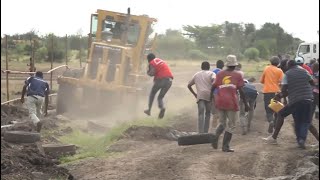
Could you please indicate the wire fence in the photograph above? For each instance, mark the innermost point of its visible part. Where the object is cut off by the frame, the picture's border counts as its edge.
(16, 71)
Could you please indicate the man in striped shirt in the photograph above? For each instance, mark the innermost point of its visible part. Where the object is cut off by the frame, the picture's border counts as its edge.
(297, 85)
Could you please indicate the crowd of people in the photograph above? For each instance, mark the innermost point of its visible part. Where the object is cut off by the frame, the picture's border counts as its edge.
(225, 94)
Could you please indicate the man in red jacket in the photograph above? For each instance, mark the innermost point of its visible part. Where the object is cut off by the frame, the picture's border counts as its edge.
(162, 81)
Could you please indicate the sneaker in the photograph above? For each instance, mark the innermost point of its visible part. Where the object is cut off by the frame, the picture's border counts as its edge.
(161, 114)
(147, 112)
(270, 129)
(270, 140)
(315, 145)
(301, 144)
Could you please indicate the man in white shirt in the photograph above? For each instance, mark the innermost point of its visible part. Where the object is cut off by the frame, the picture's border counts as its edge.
(203, 81)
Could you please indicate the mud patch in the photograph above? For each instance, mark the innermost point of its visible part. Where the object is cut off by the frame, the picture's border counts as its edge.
(145, 133)
(22, 161)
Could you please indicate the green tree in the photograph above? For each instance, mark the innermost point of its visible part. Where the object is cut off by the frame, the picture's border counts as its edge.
(55, 46)
(173, 45)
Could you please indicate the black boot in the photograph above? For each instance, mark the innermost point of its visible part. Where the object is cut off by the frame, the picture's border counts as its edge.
(215, 139)
(226, 141)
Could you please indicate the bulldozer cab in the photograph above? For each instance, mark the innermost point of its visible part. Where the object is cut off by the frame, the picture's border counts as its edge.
(120, 40)
(118, 43)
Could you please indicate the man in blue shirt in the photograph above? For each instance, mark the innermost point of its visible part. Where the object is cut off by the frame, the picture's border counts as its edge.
(215, 118)
(37, 93)
(220, 65)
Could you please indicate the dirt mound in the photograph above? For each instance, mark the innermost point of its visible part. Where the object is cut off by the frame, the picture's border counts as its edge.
(24, 161)
(145, 133)
(12, 113)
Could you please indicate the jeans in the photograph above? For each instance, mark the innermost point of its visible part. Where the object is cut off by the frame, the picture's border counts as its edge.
(204, 112)
(269, 112)
(34, 105)
(302, 115)
(227, 118)
(159, 84)
(245, 121)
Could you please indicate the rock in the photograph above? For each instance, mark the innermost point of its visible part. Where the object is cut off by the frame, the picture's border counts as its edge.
(62, 118)
(94, 127)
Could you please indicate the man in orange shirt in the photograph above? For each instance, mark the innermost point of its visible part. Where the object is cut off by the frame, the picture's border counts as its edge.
(271, 79)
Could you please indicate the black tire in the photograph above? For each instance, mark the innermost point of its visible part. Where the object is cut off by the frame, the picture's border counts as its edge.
(204, 138)
(58, 150)
(21, 137)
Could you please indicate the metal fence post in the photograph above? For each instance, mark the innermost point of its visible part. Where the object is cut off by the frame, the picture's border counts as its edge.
(7, 67)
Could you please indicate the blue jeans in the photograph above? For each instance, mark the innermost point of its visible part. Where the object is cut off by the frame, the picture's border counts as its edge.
(204, 112)
(302, 118)
(302, 115)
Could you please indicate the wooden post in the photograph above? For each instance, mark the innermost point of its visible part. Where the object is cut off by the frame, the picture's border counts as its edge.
(66, 49)
(33, 55)
(80, 51)
(7, 67)
(52, 51)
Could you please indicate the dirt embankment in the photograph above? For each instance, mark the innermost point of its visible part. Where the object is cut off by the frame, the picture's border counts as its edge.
(28, 161)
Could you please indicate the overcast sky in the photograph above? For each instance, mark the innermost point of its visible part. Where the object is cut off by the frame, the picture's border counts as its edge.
(298, 17)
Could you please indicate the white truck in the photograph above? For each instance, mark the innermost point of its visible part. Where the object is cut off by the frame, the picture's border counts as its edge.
(308, 50)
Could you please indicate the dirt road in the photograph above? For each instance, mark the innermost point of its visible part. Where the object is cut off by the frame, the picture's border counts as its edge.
(159, 159)
(163, 159)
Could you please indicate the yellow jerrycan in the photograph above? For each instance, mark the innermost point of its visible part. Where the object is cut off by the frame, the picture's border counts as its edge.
(276, 106)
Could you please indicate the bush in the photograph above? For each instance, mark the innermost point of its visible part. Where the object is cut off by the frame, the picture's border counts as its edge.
(41, 54)
(252, 53)
(58, 55)
(197, 54)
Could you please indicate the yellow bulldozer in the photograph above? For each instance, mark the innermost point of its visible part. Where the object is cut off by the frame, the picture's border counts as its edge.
(114, 70)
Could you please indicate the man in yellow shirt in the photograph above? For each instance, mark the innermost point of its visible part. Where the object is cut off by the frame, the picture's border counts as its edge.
(271, 79)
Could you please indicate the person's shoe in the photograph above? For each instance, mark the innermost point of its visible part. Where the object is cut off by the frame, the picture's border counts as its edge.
(301, 144)
(315, 145)
(270, 140)
(39, 126)
(147, 112)
(215, 139)
(161, 114)
(226, 141)
(270, 129)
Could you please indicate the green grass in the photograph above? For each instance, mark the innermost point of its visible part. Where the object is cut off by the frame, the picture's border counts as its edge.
(93, 145)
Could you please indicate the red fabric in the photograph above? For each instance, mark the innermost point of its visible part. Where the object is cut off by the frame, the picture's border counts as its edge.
(228, 82)
(306, 67)
(162, 69)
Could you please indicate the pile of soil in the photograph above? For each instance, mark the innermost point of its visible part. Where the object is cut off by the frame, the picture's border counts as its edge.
(12, 113)
(145, 133)
(24, 161)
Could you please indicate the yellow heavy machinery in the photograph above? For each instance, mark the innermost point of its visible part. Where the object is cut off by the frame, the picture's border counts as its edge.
(118, 44)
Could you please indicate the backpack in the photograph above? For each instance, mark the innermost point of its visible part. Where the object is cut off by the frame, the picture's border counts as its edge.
(250, 91)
